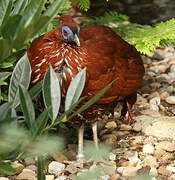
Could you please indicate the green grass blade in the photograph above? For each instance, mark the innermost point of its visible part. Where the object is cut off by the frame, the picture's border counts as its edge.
(40, 168)
(35, 90)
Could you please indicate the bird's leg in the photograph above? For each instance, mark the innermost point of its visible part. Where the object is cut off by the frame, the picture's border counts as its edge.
(80, 155)
(95, 137)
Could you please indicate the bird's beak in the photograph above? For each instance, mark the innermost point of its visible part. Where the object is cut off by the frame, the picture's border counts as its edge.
(76, 40)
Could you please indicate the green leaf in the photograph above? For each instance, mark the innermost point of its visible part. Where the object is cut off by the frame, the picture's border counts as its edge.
(19, 7)
(40, 168)
(5, 49)
(27, 108)
(9, 29)
(91, 101)
(51, 92)
(75, 89)
(3, 77)
(5, 110)
(41, 122)
(30, 14)
(54, 8)
(6, 65)
(35, 90)
(5, 8)
(21, 75)
(6, 169)
(83, 4)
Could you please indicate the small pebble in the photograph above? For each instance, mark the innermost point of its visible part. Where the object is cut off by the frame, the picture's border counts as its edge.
(111, 124)
(18, 167)
(112, 156)
(72, 168)
(171, 168)
(148, 149)
(172, 68)
(164, 95)
(137, 127)
(170, 100)
(166, 145)
(27, 174)
(50, 177)
(56, 168)
(61, 178)
(172, 177)
(153, 172)
(29, 161)
(125, 127)
(129, 171)
(162, 170)
(150, 161)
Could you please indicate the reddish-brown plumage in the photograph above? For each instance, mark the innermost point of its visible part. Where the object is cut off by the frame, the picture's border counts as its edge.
(104, 54)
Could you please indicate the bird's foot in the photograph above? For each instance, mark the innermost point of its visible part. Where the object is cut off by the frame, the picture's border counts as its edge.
(80, 158)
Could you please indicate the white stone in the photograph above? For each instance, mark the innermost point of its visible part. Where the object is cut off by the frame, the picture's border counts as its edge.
(148, 148)
(111, 124)
(170, 100)
(172, 68)
(112, 156)
(153, 172)
(4, 178)
(172, 177)
(157, 125)
(49, 177)
(120, 169)
(61, 178)
(27, 174)
(56, 168)
(129, 171)
(171, 168)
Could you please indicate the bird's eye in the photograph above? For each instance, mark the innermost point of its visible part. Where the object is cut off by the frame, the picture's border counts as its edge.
(65, 32)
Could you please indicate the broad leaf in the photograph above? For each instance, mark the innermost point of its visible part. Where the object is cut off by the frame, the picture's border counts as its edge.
(3, 77)
(27, 108)
(6, 169)
(29, 15)
(5, 110)
(54, 8)
(19, 7)
(9, 29)
(91, 101)
(52, 92)
(5, 49)
(5, 8)
(75, 89)
(21, 75)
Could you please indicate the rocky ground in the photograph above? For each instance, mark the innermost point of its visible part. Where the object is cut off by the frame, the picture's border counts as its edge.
(144, 147)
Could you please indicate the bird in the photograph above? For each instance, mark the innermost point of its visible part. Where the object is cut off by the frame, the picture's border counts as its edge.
(106, 56)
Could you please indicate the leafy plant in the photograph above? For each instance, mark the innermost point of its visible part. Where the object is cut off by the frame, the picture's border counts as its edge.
(20, 22)
(144, 38)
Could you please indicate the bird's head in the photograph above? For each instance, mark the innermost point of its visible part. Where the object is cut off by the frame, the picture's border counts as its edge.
(70, 30)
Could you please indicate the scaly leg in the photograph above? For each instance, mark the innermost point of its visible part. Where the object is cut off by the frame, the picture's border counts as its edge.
(95, 136)
(80, 155)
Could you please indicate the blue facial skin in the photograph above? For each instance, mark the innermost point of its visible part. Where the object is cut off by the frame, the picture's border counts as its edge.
(67, 33)
(70, 36)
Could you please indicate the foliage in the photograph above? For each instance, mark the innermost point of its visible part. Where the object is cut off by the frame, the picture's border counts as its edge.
(144, 38)
(18, 142)
(20, 22)
(83, 4)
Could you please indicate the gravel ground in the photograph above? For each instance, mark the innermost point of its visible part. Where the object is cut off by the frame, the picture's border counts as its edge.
(145, 147)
